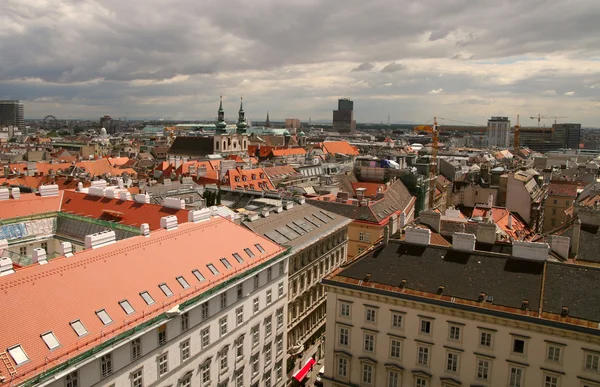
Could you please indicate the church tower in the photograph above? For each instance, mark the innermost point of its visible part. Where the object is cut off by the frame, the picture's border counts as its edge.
(221, 124)
(241, 124)
(267, 122)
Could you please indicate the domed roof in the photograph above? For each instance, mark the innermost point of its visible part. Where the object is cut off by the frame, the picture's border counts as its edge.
(302, 134)
(286, 133)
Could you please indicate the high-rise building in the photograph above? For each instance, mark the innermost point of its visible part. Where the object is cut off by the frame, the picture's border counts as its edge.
(12, 114)
(343, 118)
(569, 134)
(498, 132)
(292, 123)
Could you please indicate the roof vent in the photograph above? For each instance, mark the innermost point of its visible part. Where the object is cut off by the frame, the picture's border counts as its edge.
(4, 194)
(403, 283)
(199, 215)
(279, 209)
(124, 196)
(145, 229)
(39, 256)
(168, 222)
(564, 311)
(111, 193)
(419, 236)
(368, 277)
(176, 203)
(463, 242)
(16, 194)
(530, 250)
(66, 249)
(264, 212)
(79, 187)
(6, 266)
(481, 297)
(288, 205)
(100, 239)
(99, 184)
(525, 304)
(48, 190)
(441, 289)
(96, 191)
(142, 198)
(301, 200)
(252, 216)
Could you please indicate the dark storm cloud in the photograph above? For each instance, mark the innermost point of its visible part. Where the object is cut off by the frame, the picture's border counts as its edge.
(363, 67)
(393, 67)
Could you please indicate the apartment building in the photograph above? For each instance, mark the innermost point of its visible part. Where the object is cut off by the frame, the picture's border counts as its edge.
(318, 242)
(410, 313)
(169, 307)
(558, 206)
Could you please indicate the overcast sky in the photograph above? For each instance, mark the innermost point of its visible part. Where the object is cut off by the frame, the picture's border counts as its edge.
(459, 59)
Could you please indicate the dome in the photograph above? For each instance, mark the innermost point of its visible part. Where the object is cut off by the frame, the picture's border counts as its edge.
(286, 133)
(302, 134)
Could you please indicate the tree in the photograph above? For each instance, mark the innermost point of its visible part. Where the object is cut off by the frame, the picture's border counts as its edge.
(218, 201)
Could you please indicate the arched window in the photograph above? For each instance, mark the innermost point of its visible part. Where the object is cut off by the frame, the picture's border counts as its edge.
(217, 145)
(224, 145)
(245, 146)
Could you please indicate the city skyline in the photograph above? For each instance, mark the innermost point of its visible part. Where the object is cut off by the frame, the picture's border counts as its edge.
(466, 61)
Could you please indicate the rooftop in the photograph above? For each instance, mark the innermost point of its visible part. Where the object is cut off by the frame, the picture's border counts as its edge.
(563, 188)
(29, 204)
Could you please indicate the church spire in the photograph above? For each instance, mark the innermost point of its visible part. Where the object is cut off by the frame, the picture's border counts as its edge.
(241, 124)
(221, 124)
(267, 122)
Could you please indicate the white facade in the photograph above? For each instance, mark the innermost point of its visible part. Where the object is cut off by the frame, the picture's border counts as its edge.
(498, 132)
(233, 337)
(230, 143)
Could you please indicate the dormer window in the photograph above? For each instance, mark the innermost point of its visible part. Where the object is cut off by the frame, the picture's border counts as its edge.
(18, 355)
(50, 340)
(78, 327)
(104, 317)
(184, 284)
(166, 290)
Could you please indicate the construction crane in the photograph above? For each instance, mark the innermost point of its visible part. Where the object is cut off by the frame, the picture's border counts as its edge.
(517, 140)
(433, 162)
(541, 117)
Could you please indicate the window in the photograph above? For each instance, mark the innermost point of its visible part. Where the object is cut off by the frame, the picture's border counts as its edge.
(370, 315)
(551, 381)
(279, 317)
(395, 349)
(485, 339)
(212, 269)
(452, 361)
(104, 317)
(255, 335)
(423, 355)
(367, 373)
(127, 308)
(205, 337)
(554, 211)
(163, 364)
(369, 342)
(267, 377)
(185, 350)
(454, 333)
(281, 268)
(553, 353)
(237, 257)
(425, 326)
(567, 203)
(18, 355)
(344, 335)
(397, 320)
(515, 377)
(147, 298)
(254, 362)
(279, 370)
(223, 300)
(239, 379)
(420, 382)
(50, 340)
(364, 236)
(185, 322)
(184, 284)
(223, 326)
(239, 315)
(162, 334)
(483, 369)
(78, 327)
(592, 362)
(186, 381)
(205, 372)
(223, 360)
(226, 263)
(280, 289)
(198, 275)
(269, 274)
(345, 309)
(269, 297)
(137, 378)
(106, 365)
(256, 282)
(518, 346)
(555, 201)
(136, 349)
(268, 354)
(279, 344)
(342, 367)
(393, 379)
(249, 252)
(268, 327)
(23, 250)
(240, 291)
(166, 290)
(45, 244)
(72, 379)
(255, 305)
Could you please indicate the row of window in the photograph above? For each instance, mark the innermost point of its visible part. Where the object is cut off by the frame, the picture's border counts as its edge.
(309, 255)
(314, 274)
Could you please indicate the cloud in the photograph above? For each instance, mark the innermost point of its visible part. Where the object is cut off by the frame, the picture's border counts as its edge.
(436, 91)
(366, 66)
(393, 67)
(549, 92)
(570, 93)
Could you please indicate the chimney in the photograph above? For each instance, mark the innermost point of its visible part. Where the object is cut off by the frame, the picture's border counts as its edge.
(39, 256)
(16, 194)
(432, 219)
(525, 304)
(142, 198)
(386, 235)
(288, 205)
(168, 222)
(530, 250)
(509, 225)
(176, 203)
(419, 236)
(66, 249)
(96, 191)
(463, 242)
(252, 216)
(301, 200)
(560, 245)
(6, 266)
(486, 232)
(124, 196)
(48, 190)
(199, 215)
(360, 193)
(100, 239)
(145, 229)
(79, 187)
(264, 212)
(575, 238)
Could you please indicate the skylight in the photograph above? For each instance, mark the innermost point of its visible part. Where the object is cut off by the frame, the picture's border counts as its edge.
(126, 306)
(303, 225)
(18, 355)
(198, 275)
(147, 297)
(321, 218)
(212, 269)
(79, 328)
(50, 340)
(104, 317)
(276, 237)
(249, 252)
(327, 214)
(166, 290)
(237, 257)
(259, 247)
(184, 284)
(311, 221)
(226, 263)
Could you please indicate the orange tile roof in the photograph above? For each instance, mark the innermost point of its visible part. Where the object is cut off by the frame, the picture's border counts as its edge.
(340, 147)
(281, 170)
(68, 289)
(95, 167)
(132, 213)
(117, 161)
(371, 187)
(29, 204)
(254, 178)
(288, 152)
(120, 171)
(500, 215)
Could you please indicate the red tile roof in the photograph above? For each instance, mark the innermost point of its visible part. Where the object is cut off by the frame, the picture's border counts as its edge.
(132, 213)
(339, 147)
(500, 216)
(117, 161)
(371, 187)
(563, 188)
(282, 170)
(29, 204)
(68, 289)
(288, 152)
(95, 167)
(254, 179)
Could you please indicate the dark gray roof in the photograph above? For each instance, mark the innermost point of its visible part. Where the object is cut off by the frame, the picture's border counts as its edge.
(294, 223)
(589, 243)
(192, 146)
(463, 275)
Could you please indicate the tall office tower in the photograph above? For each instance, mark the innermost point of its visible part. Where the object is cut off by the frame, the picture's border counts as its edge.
(343, 118)
(498, 132)
(569, 134)
(12, 114)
